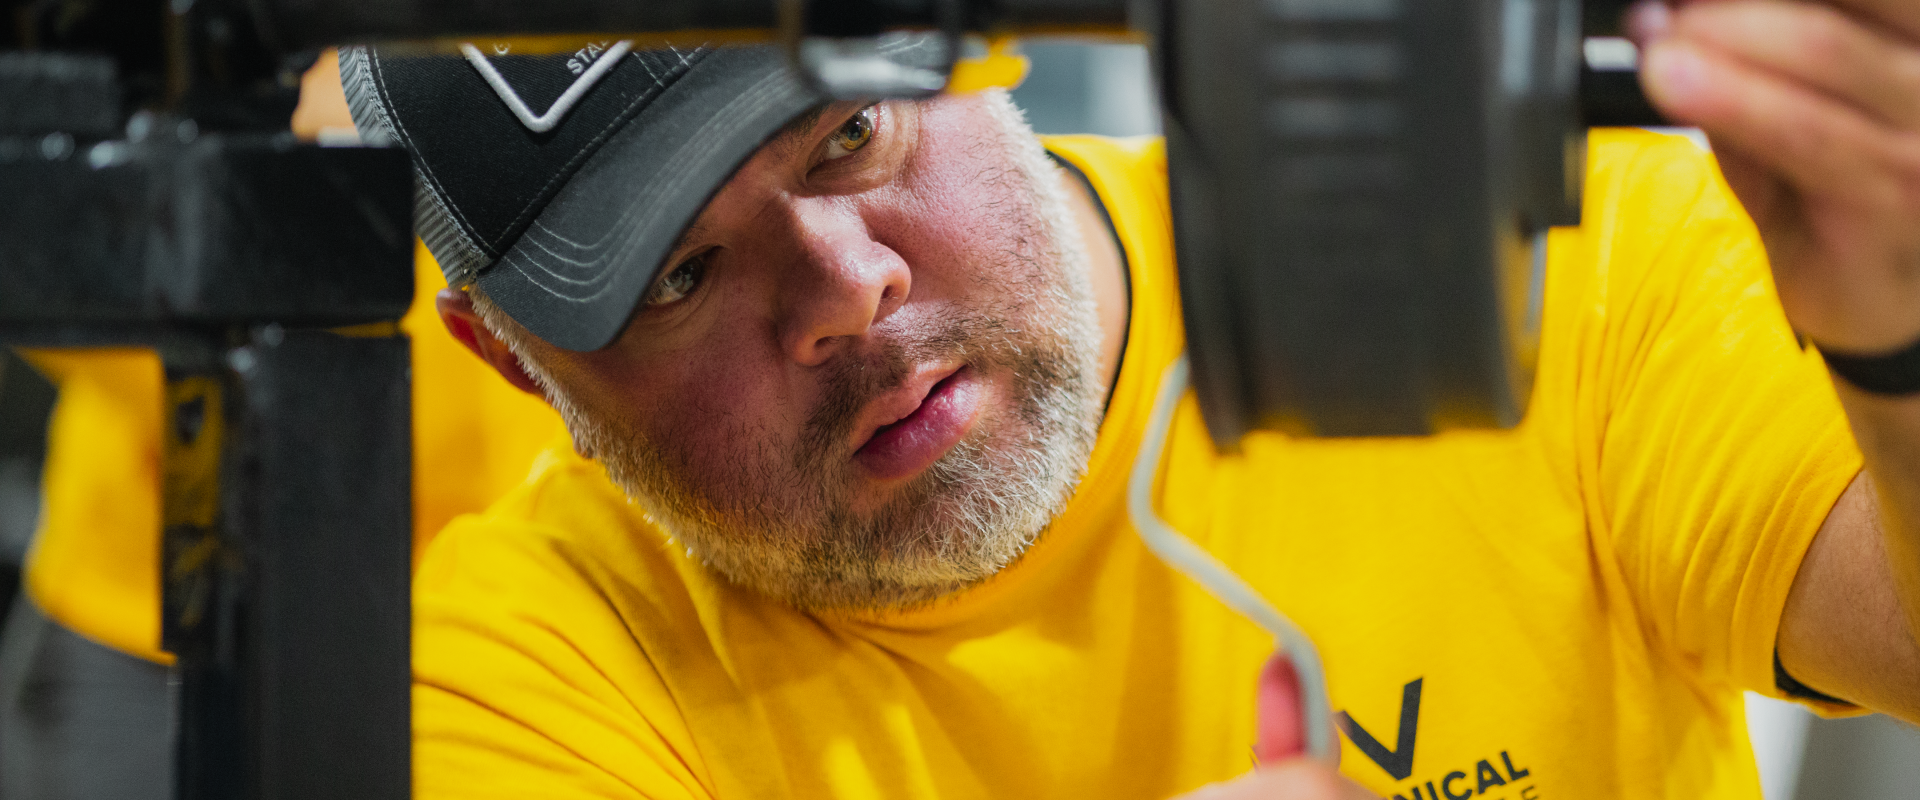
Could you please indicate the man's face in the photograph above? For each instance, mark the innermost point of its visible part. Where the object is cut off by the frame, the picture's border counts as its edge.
(869, 373)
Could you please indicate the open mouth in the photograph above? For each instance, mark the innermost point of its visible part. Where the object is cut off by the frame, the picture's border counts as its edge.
(912, 443)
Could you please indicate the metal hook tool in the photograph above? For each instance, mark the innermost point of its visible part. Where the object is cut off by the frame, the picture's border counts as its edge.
(1183, 555)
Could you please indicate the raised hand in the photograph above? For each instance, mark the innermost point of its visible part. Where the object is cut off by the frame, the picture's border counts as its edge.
(1814, 113)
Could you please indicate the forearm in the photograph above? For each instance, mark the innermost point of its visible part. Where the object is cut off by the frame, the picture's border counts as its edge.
(1848, 629)
(1888, 431)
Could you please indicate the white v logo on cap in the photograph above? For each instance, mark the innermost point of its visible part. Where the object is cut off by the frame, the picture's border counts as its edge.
(560, 107)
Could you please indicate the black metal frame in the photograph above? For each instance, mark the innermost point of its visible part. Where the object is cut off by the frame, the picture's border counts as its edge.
(270, 277)
(286, 560)
(287, 461)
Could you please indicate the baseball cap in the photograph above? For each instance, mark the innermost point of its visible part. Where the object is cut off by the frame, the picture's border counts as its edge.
(558, 182)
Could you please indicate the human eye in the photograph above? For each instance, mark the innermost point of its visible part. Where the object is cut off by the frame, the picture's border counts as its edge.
(853, 135)
(677, 283)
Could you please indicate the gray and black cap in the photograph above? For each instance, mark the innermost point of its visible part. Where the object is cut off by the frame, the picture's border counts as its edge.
(559, 182)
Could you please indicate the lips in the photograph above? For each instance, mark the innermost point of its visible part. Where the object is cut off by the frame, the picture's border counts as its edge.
(926, 423)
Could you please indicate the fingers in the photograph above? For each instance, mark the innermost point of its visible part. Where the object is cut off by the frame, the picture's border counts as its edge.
(1648, 20)
(1902, 16)
(1814, 44)
(1280, 731)
(1814, 111)
(1819, 144)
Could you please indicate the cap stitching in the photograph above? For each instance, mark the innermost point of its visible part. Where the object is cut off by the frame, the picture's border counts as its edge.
(439, 233)
(650, 73)
(591, 146)
(451, 247)
(747, 101)
(707, 146)
(420, 164)
(750, 101)
(363, 100)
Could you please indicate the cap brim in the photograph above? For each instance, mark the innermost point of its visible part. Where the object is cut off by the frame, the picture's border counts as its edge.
(574, 276)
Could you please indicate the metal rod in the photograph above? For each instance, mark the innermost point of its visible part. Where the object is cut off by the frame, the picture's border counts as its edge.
(1188, 559)
(307, 24)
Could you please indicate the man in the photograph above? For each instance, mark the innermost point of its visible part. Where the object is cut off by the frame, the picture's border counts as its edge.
(852, 410)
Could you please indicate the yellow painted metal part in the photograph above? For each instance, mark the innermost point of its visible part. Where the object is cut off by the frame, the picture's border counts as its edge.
(190, 463)
(1002, 67)
(568, 42)
(193, 437)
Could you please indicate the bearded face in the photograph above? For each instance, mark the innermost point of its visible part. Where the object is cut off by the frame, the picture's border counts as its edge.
(869, 376)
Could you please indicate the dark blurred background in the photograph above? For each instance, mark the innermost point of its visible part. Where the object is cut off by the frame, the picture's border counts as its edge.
(25, 401)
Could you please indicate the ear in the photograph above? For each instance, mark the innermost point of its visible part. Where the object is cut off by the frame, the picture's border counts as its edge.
(464, 323)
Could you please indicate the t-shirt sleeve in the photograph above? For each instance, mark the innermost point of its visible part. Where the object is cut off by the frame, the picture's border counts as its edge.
(1712, 444)
(511, 702)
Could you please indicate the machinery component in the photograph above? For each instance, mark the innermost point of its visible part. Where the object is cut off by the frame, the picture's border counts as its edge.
(850, 68)
(286, 565)
(853, 49)
(294, 25)
(199, 227)
(216, 230)
(58, 93)
(1610, 78)
(1355, 217)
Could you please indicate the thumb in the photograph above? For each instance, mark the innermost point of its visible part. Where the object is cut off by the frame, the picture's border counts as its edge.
(1280, 732)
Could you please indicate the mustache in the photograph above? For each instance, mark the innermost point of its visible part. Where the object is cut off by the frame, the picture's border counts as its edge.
(855, 378)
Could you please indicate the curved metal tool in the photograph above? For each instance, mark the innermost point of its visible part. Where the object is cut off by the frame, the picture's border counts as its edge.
(1186, 557)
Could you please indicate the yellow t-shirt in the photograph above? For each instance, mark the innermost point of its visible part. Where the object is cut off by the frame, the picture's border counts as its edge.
(94, 563)
(1566, 610)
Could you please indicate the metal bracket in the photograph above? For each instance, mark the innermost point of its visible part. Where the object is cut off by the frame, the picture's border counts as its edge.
(859, 49)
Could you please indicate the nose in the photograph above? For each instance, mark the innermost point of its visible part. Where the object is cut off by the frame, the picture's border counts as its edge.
(844, 283)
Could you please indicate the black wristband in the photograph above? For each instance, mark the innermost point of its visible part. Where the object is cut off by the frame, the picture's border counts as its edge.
(1792, 687)
(1895, 374)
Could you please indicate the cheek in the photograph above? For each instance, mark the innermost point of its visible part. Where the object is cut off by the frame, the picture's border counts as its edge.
(962, 215)
(710, 406)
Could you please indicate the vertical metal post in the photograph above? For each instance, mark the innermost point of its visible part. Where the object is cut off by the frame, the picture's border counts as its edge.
(288, 511)
(200, 564)
(329, 500)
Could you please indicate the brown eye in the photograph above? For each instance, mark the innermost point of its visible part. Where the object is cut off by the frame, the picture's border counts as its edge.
(678, 283)
(852, 136)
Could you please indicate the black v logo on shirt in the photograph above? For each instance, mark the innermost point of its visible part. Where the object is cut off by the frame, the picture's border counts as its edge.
(1398, 762)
